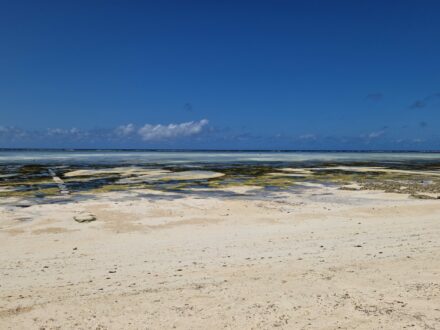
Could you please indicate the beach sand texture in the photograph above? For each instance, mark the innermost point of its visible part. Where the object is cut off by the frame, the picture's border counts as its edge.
(324, 258)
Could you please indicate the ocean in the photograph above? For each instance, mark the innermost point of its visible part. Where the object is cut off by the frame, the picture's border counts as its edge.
(145, 157)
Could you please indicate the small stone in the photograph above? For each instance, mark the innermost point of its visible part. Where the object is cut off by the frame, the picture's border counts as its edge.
(85, 217)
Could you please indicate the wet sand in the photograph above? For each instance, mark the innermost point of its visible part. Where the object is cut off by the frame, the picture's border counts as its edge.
(321, 258)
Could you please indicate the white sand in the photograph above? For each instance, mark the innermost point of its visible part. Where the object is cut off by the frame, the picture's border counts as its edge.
(123, 171)
(324, 259)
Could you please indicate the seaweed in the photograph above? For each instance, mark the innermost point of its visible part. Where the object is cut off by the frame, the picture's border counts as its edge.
(35, 181)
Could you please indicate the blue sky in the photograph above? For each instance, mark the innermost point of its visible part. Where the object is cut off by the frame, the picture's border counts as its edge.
(220, 74)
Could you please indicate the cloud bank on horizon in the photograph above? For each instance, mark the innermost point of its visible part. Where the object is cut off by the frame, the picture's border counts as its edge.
(146, 133)
(159, 132)
(171, 131)
(200, 134)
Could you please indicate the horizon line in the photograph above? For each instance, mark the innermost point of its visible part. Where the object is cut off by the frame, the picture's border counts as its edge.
(224, 150)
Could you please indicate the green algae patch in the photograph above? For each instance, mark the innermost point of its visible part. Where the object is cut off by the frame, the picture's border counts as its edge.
(18, 193)
(270, 181)
(110, 188)
(250, 175)
(403, 182)
(27, 182)
(32, 169)
(171, 186)
(34, 192)
(172, 176)
(48, 191)
(419, 181)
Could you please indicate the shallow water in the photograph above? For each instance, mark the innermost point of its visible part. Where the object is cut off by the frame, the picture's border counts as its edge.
(27, 173)
(111, 157)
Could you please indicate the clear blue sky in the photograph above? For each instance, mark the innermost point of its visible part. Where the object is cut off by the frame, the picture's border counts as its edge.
(220, 74)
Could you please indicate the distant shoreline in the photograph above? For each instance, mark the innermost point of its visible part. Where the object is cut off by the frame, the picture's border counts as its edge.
(217, 150)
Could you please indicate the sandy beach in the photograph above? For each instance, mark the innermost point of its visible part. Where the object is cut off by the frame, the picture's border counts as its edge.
(324, 258)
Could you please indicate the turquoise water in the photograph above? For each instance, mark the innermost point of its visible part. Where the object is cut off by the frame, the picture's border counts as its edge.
(72, 157)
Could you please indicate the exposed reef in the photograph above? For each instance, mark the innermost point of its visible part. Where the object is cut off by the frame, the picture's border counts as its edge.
(420, 180)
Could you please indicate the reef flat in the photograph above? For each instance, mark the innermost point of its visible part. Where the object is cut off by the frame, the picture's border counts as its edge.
(419, 180)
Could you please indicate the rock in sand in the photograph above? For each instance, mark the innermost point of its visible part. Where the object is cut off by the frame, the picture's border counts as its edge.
(84, 217)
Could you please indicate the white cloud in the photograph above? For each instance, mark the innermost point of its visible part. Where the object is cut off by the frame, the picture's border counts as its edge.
(162, 132)
(61, 131)
(12, 132)
(376, 134)
(55, 131)
(125, 130)
(121, 133)
(307, 137)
